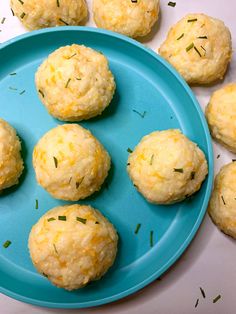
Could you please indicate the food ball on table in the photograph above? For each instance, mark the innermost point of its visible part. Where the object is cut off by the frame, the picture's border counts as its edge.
(73, 245)
(221, 116)
(131, 18)
(222, 209)
(75, 83)
(166, 167)
(47, 13)
(11, 163)
(199, 47)
(70, 163)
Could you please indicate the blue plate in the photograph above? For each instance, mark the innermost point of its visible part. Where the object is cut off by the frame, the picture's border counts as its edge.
(145, 82)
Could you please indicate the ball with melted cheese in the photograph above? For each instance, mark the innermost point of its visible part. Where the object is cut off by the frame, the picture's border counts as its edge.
(127, 17)
(70, 163)
(222, 209)
(199, 47)
(11, 163)
(166, 167)
(75, 83)
(221, 116)
(73, 245)
(48, 13)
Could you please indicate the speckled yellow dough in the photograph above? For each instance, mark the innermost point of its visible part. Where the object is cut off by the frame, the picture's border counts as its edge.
(221, 116)
(222, 206)
(35, 14)
(199, 47)
(166, 167)
(70, 163)
(75, 83)
(132, 19)
(11, 163)
(73, 251)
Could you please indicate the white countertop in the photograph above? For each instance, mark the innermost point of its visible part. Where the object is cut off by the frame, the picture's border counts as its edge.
(210, 261)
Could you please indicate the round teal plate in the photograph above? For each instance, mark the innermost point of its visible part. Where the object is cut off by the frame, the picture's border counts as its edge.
(150, 96)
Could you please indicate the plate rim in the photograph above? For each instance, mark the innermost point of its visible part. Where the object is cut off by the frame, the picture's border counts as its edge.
(210, 176)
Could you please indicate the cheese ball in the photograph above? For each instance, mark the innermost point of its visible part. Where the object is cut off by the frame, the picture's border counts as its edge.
(130, 18)
(222, 206)
(199, 47)
(70, 163)
(166, 167)
(73, 245)
(221, 116)
(75, 83)
(48, 13)
(11, 163)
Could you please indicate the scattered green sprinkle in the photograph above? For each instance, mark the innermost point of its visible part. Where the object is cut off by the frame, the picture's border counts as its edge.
(151, 238)
(129, 150)
(72, 55)
(79, 183)
(51, 219)
(70, 180)
(233, 160)
(36, 204)
(63, 218)
(134, 1)
(14, 73)
(22, 15)
(180, 170)
(198, 52)
(40, 92)
(68, 82)
(202, 292)
(172, 4)
(82, 220)
(190, 47)
(128, 164)
(223, 200)
(181, 36)
(55, 248)
(12, 88)
(202, 37)
(21, 93)
(218, 156)
(63, 21)
(96, 223)
(203, 48)
(6, 244)
(217, 298)
(45, 275)
(12, 12)
(192, 20)
(78, 79)
(3, 20)
(21, 2)
(58, 3)
(151, 160)
(142, 115)
(192, 175)
(196, 304)
(55, 161)
(137, 228)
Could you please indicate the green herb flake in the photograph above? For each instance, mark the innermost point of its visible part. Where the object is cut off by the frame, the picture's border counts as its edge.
(77, 184)
(151, 160)
(202, 37)
(198, 52)
(192, 176)
(45, 275)
(223, 200)
(190, 47)
(202, 292)
(12, 88)
(68, 82)
(62, 218)
(217, 298)
(55, 248)
(63, 21)
(233, 160)
(180, 170)
(137, 228)
(142, 115)
(6, 244)
(134, 1)
(14, 73)
(196, 304)
(192, 20)
(3, 20)
(36, 204)
(72, 55)
(70, 180)
(218, 156)
(181, 36)
(82, 220)
(55, 161)
(21, 93)
(58, 3)
(40, 92)
(21, 2)
(151, 238)
(203, 48)
(51, 219)
(22, 15)
(13, 13)
(78, 79)
(172, 4)
(97, 223)
(129, 150)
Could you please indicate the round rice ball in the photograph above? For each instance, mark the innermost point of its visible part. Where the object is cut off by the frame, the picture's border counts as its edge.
(222, 209)
(70, 163)
(73, 245)
(166, 167)
(199, 47)
(11, 163)
(48, 13)
(130, 18)
(75, 83)
(221, 116)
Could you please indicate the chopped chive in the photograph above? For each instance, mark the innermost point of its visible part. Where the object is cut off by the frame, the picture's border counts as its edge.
(21, 93)
(195, 48)
(51, 219)
(202, 37)
(134, 1)
(73, 55)
(196, 304)
(3, 20)
(14, 73)
(233, 160)
(12, 88)
(128, 164)
(63, 218)
(203, 48)
(55, 161)
(181, 36)
(82, 220)
(13, 13)
(151, 238)
(77, 184)
(137, 228)
(192, 20)
(172, 4)
(217, 298)
(202, 292)
(45, 275)
(151, 160)
(223, 200)
(36, 204)
(96, 223)
(40, 92)
(55, 248)
(21, 2)
(22, 15)
(58, 3)
(218, 156)
(78, 79)
(192, 175)
(129, 150)
(6, 244)
(70, 180)
(180, 170)
(142, 115)
(190, 47)
(67, 83)
(63, 21)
